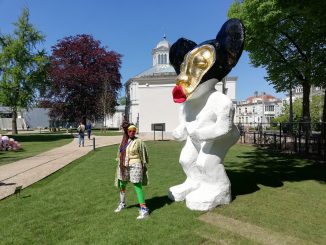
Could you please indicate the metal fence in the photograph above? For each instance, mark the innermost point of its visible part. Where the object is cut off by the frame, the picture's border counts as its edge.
(295, 138)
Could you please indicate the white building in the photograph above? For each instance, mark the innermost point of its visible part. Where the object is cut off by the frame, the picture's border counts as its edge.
(297, 92)
(33, 118)
(258, 109)
(114, 121)
(149, 94)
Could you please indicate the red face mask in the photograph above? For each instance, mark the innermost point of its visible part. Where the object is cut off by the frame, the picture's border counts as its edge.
(131, 133)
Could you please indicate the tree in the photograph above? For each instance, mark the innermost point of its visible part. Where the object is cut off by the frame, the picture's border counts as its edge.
(285, 42)
(122, 100)
(316, 106)
(84, 75)
(22, 66)
(107, 103)
(297, 112)
(314, 11)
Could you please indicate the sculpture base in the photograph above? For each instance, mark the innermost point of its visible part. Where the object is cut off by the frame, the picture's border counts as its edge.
(178, 193)
(208, 197)
(203, 197)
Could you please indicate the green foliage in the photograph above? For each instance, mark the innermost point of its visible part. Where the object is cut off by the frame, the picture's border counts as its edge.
(288, 43)
(122, 100)
(297, 112)
(316, 110)
(22, 66)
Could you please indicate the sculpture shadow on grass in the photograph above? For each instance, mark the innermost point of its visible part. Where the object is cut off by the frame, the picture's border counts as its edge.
(155, 203)
(263, 167)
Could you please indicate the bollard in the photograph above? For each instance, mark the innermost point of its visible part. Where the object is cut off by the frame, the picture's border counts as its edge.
(93, 143)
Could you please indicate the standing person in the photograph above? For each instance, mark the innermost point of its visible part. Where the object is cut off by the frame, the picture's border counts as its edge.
(133, 158)
(81, 134)
(89, 130)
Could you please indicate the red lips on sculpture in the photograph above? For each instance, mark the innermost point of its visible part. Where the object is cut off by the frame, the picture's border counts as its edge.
(178, 94)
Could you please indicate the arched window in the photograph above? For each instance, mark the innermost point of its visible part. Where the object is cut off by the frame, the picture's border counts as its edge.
(164, 60)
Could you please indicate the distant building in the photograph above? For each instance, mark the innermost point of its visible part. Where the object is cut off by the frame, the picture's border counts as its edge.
(114, 121)
(149, 94)
(37, 118)
(258, 109)
(33, 118)
(297, 92)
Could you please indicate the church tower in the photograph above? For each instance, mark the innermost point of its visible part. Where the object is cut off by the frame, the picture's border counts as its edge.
(161, 53)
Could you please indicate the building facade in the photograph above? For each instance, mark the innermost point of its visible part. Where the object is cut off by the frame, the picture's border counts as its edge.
(114, 121)
(32, 118)
(297, 92)
(149, 94)
(258, 109)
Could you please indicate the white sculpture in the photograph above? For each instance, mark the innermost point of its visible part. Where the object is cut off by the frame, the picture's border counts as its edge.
(206, 118)
(207, 125)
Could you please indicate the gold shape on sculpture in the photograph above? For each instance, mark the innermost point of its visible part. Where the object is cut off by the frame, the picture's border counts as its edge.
(196, 63)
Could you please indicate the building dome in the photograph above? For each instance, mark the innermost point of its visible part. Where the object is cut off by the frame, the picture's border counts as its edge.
(163, 43)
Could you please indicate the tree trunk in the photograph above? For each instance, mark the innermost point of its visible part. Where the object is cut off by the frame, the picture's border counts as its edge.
(324, 109)
(14, 122)
(306, 120)
(291, 113)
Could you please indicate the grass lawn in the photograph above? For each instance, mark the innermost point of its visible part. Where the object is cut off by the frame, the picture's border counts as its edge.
(99, 132)
(33, 144)
(75, 205)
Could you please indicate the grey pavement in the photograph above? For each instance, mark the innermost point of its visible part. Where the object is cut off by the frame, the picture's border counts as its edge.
(27, 171)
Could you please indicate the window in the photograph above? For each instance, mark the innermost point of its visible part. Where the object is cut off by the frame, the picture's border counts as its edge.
(159, 59)
(269, 108)
(245, 109)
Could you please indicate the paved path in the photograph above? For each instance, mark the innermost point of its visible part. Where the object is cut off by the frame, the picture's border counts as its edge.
(30, 170)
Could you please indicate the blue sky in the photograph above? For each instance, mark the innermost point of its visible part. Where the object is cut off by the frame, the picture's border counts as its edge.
(133, 28)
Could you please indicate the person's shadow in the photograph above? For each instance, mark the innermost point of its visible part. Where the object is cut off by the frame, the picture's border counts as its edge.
(155, 203)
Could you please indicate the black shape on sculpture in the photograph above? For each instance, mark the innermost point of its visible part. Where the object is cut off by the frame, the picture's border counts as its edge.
(228, 44)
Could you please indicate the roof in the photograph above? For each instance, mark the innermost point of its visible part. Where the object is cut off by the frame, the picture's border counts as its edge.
(157, 70)
(264, 97)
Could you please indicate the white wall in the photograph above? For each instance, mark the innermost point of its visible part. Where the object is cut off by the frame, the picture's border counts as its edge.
(231, 88)
(157, 106)
(115, 120)
(37, 118)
